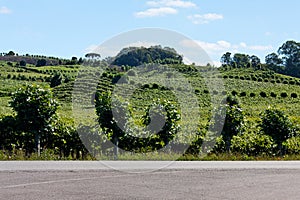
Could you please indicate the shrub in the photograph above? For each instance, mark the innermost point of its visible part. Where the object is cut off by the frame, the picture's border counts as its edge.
(292, 82)
(243, 94)
(252, 94)
(234, 93)
(273, 95)
(292, 145)
(277, 125)
(206, 92)
(259, 80)
(252, 144)
(283, 94)
(155, 86)
(263, 94)
(285, 82)
(294, 95)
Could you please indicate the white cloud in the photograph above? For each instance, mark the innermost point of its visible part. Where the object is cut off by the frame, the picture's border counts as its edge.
(153, 12)
(172, 3)
(221, 46)
(217, 49)
(205, 19)
(5, 10)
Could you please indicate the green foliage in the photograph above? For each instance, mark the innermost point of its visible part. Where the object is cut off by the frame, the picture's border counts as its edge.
(234, 120)
(41, 62)
(252, 144)
(56, 80)
(277, 125)
(35, 110)
(134, 56)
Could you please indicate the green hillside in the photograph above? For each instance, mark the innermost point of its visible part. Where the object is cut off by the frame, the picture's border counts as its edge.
(256, 88)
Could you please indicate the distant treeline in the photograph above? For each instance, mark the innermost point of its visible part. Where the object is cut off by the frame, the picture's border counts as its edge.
(285, 61)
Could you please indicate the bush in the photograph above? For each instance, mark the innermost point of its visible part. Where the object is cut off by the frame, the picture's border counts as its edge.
(292, 145)
(277, 125)
(155, 86)
(273, 95)
(234, 93)
(252, 144)
(292, 82)
(294, 95)
(263, 94)
(283, 94)
(243, 94)
(252, 94)
(285, 82)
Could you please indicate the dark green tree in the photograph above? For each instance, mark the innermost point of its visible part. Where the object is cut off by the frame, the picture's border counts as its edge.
(277, 125)
(11, 53)
(255, 62)
(35, 110)
(56, 80)
(290, 52)
(241, 60)
(234, 121)
(274, 63)
(23, 63)
(41, 62)
(226, 59)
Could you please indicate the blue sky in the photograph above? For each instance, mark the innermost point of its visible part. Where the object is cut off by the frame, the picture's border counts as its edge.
(68, 28)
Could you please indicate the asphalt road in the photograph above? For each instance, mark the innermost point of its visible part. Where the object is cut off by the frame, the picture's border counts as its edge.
(149, 180)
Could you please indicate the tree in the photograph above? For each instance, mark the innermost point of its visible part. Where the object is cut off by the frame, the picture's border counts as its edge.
(234, 121)
(241, 60)
(114, 120)
(11, 53)
(41, 62)
(274, 62)
(277, 125)
(56, 80)
(226, 59)
(255, 62)
(290, 52)
(36, 112)
(92, 55)
(23, 63)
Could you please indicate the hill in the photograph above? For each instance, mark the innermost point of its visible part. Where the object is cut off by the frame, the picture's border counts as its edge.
(135, 56)
(256, 88)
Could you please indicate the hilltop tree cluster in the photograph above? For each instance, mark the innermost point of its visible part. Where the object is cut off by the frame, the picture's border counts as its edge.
(135, 56)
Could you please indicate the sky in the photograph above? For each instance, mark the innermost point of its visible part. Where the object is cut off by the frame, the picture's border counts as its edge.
(66, 28)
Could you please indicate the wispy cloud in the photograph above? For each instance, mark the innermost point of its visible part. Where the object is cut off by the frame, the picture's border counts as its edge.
(164, 7)
(217, 49)
(222, 46)
(205, 18)
(153, 12)
(172, 3)
(5, 11)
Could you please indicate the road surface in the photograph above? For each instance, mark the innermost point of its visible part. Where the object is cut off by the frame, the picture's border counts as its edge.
(149, 180)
